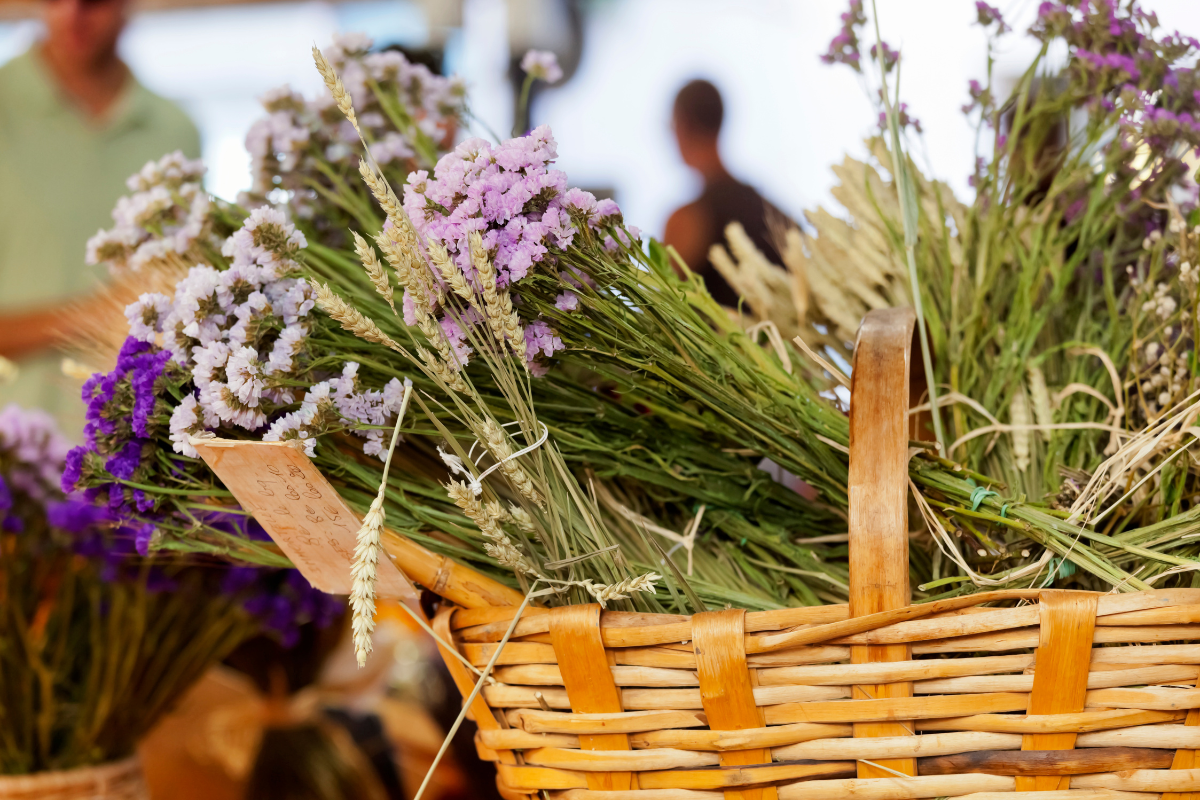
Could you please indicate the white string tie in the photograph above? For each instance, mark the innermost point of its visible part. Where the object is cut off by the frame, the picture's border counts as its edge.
(457, 467)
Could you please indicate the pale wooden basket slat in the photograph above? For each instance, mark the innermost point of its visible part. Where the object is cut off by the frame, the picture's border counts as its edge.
(1066, 696)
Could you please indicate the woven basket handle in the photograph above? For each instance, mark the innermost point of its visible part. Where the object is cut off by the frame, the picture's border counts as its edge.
(880, 396)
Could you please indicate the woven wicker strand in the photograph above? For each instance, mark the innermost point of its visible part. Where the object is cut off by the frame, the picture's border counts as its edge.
(119, 780)
(1065, 696)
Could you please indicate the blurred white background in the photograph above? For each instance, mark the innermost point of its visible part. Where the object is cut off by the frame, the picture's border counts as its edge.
(788, 116)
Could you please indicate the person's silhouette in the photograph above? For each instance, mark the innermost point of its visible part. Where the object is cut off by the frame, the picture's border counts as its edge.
(700, 224)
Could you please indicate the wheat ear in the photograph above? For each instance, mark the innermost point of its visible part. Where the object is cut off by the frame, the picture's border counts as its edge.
(374, 269)
(336, 87)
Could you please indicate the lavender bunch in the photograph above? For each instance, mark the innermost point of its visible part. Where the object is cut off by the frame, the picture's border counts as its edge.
(98, 643)
(305, 153)
(520, 208)
(167, 221)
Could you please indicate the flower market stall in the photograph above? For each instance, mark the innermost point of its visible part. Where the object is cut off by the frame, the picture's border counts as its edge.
(541, 416)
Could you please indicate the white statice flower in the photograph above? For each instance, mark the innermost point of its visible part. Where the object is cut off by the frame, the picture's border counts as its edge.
(175, 340)
(196, 295)
(244, 374)
(149, 252)
(285, 349)
(229, 408)
(242, 332)
(288, 144)
(173, 170)
(306, 422)
(112, 246)
(295, 425)
(185, 423)
(388, 65)
(393, 395)
(192, 227)
(146, 315)
(209, 363)
(266, 239)
(294, 300)
(347, 45)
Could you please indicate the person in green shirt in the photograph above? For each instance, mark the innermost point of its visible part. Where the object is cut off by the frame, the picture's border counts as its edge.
(74, 124)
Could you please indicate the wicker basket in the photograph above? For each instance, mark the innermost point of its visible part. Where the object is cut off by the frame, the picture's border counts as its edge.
(1072, 695)
(118, 780)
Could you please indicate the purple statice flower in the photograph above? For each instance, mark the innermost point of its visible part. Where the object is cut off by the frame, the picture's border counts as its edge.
(33, 451)
(142, 501)
(73, 468)
(541, 65)
(843, 48)
(6, 498)
(890, 57)
(903, 119)
(1123, 67)
(76, 515)
(281, 599)
(510, 195)
(1053, 20)
(142, 536)
(124, 463)
(522, 209)
(981, 98)
(988, 15)
(145, 383)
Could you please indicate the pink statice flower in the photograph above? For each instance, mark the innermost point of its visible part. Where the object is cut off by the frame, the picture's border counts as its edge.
(526, 215)
(542, 65)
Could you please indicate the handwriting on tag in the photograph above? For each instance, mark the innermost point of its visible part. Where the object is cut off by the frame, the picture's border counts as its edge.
(295, 504)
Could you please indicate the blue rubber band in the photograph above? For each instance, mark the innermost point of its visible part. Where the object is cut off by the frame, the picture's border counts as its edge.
(1004, 511)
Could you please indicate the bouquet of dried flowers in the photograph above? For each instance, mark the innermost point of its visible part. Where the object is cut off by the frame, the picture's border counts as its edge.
(1060, 303)
(96, 643)
(620, 417)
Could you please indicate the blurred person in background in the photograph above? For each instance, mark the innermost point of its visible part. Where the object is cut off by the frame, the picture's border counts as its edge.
(74, 124)
(697, 226)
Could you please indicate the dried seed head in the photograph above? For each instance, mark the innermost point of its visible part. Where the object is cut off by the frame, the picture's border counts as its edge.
(364, 574)
(621, 591)
(445, 374)
(382, 191)
(374, 269)
(1040, 396)
(1019, 416)
(350, 318)
(487, 518)
(336, 88)
(502, 320)
(496, 441)
(449, 271)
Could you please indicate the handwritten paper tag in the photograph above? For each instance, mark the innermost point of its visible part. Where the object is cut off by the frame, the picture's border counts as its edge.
(305, 516)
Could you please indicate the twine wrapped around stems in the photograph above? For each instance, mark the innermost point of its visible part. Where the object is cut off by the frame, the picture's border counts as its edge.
(117, 780)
